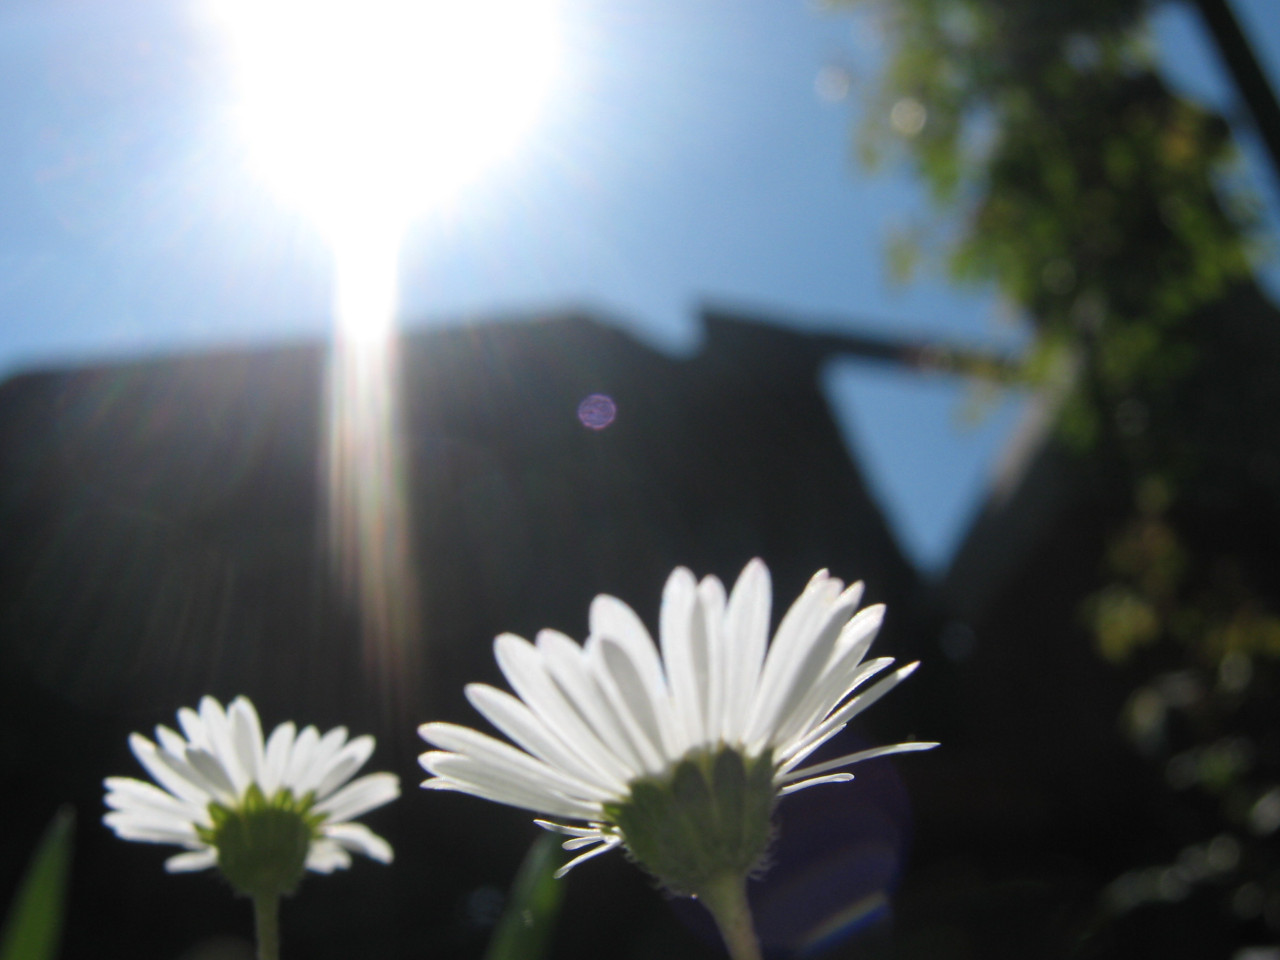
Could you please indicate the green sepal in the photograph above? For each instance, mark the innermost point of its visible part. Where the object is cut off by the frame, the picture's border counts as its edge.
(708, 818)
(262, 844)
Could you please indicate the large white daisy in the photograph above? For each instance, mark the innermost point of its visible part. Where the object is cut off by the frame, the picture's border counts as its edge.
(236, 803)
(680, 753)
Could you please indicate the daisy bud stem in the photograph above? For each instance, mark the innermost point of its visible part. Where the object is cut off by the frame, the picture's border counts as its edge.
(726, 898)
(266, 923)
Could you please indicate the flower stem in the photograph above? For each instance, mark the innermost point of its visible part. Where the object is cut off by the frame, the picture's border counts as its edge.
(266, 924)
(726, 898)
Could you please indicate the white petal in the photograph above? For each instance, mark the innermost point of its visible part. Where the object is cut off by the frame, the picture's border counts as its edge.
(510, 715)
(490, 785)
(606, 845)
(613, 620)
(320, 762)
(125, 793)
(192, 860)
(577, 843)
(182, 782)
(524, 669)
(854, 642)
(813, 782)
(344, 765)
(837, 721)
(170, 741)
(246, 738)
(358, 838)
(566, 663)
(507, 760)
(221, 745)
(828, 694)
(852, 758)
(515, 787)
(847, 661)
(276, 757)
(193, 727)
(799, 622)
(837, 680)
(679, 598)
(304, 748)
(154, 821)
(182, 768)
(746, 633)
(570, 831)
(131, 826)
(360, 796)
(711, 604)
(852, 595)
(326, 856)
(629, 697)
(208, 766)
(799, 656)
(211, 790)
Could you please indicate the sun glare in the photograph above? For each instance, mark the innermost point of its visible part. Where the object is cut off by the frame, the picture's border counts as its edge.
(356, 108)
(363, 114)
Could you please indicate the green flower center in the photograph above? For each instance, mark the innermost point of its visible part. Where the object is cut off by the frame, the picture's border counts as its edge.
(262, 843)
(709, 817)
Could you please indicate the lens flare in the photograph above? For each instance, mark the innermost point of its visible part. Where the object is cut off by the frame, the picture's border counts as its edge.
(597, 411)
(369, 520)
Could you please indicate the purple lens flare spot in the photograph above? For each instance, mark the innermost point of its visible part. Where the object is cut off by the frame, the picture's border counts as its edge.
(597, 411)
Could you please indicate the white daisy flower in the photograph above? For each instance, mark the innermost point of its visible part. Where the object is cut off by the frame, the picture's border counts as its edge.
(678, 752)
(261, 813)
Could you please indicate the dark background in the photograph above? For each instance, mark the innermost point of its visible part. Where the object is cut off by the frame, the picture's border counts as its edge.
(161, 540)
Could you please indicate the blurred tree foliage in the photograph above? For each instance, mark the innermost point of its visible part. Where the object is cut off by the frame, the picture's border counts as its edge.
(1106, 209)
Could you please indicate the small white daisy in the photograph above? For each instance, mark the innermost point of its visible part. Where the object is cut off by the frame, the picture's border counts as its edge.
(261, 813)
(679, 755)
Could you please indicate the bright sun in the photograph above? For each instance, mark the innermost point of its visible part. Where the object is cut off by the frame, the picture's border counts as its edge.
(362, 114)
(360, 110)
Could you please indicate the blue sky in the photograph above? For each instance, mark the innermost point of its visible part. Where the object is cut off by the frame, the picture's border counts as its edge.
(685, 159)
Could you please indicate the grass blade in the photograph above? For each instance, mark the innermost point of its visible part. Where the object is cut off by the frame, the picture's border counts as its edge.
(533, 906)
(33, 928)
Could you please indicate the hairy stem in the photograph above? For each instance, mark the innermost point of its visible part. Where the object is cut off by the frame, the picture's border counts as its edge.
(266, 924)
(726, 898)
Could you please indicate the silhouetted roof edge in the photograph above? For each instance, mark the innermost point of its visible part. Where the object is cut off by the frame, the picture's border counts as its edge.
(760, 336)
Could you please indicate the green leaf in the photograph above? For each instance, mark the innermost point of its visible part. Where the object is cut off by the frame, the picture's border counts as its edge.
(532, 908)
(33, 927)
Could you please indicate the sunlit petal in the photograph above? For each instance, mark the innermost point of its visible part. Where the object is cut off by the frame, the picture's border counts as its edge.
(715, 710)
(193, 779)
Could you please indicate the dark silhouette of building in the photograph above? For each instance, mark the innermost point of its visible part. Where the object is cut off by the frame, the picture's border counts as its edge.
(162, 536)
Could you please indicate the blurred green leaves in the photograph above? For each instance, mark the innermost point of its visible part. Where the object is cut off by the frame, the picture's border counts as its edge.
(533, 905)
(1108, 210)
(33, 928)
(1098, 201)
(1079, 185)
